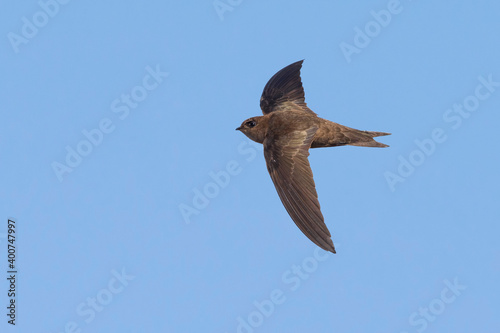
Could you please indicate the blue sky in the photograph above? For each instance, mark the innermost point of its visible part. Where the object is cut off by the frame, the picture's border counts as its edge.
(139, 208)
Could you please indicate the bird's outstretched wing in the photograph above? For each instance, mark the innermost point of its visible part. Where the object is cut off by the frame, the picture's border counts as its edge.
(284, 91)
(287, 163)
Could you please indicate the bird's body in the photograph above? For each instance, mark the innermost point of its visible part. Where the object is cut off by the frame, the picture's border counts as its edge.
(329, 134)
(287, 130)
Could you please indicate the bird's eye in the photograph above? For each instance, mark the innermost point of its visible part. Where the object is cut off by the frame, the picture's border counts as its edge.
(251, 123)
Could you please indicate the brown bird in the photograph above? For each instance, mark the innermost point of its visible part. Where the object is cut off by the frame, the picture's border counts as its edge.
(287, 130)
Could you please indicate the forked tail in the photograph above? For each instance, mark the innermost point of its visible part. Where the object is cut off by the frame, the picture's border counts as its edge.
(365, 138)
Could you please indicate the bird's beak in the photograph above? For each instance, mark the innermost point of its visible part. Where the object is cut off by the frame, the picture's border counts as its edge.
(239, 128)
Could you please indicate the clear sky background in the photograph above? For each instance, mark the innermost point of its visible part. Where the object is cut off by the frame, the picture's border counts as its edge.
(117, 115)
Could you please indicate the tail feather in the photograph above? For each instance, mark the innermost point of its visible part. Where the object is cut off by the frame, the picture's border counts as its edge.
(365, 139)
(332, 134)
(375, 134)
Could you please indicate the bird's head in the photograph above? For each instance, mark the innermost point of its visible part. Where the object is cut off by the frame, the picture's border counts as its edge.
(254, 128)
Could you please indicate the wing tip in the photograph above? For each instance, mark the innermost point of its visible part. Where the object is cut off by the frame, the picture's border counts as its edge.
(298, 64)
(331, 247)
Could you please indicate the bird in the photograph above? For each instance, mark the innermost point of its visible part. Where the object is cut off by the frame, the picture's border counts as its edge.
(287, 129)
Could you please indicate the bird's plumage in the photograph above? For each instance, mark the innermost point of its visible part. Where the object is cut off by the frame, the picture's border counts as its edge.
(287, 130)
(284, 91)
(287, 163)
